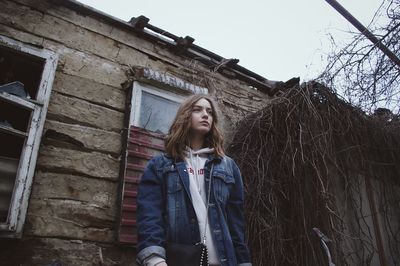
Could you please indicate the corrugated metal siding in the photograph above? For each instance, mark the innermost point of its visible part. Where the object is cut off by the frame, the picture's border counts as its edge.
(142, 145)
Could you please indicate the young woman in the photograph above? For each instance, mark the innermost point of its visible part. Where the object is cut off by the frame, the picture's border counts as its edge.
(174, 190)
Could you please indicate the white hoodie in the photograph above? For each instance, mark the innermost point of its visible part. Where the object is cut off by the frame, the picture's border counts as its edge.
(195, 161)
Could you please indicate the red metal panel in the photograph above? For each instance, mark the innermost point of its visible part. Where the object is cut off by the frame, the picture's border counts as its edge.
(142, 145)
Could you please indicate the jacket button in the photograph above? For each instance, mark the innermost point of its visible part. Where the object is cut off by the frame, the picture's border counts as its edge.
(192, 220)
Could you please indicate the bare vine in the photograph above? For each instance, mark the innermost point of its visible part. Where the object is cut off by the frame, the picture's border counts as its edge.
(304, 158)
(361, 72)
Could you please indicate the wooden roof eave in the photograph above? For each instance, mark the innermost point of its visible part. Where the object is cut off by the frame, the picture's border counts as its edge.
(141, 26)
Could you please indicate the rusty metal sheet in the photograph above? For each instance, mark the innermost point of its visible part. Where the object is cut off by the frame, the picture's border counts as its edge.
(142, 145)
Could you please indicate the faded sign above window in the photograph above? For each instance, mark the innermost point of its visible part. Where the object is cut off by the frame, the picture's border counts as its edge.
(152, 75)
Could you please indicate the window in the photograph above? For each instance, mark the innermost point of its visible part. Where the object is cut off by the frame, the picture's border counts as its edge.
(152, 112)
(26, 77)
(152, 108)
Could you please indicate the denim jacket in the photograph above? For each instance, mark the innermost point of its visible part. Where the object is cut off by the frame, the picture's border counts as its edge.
(166, 214)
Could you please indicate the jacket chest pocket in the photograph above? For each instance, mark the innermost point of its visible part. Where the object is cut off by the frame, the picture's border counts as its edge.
(174, 184)
(174, 200)
(223, 183)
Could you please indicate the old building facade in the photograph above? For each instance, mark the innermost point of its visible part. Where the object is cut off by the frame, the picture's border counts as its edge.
(85, 100)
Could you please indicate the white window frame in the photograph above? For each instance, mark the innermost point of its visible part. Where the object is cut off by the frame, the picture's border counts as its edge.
(138, 88)
(13, 227)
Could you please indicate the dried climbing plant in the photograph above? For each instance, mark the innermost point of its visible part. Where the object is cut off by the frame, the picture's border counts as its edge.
(360, 71)
(304, 158)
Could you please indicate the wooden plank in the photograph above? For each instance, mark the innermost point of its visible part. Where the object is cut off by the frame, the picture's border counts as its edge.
(387, 194)
(375, 221)
(92, 164)
(88, 66)
(24, 15)
(90, 90)
(137, 56)
(25, 37)
(97, 192)
(72, 110)
(57, 10)
(90, 138)
(69, 219)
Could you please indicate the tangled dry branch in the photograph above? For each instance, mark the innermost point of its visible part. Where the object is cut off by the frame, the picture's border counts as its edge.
(302, 157)
(361, 72)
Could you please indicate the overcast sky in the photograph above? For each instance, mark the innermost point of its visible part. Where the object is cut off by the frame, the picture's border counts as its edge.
(276, 39)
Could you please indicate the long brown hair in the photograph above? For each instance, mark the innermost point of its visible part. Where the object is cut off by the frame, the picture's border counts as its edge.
(179, 133)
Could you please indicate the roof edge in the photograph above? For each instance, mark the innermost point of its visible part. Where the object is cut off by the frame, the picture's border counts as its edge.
(180, 45)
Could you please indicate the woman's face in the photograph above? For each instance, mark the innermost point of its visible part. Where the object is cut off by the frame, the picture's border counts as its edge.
(202, 117)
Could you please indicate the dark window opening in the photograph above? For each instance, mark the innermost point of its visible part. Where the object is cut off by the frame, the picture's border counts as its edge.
(10, 152)
(13, 116)
(8, 170)
(17, 66)
(11, 145)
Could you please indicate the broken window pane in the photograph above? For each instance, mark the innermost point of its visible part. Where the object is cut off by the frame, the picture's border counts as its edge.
(156, 113)
(16, 66)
